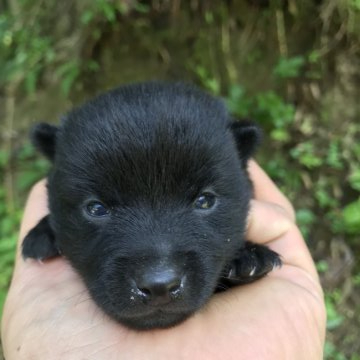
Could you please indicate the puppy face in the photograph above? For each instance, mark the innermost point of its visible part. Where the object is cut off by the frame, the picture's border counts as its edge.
(148, 199)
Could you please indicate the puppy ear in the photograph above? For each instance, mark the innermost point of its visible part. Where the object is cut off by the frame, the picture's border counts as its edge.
(43, 136)
(247, 136)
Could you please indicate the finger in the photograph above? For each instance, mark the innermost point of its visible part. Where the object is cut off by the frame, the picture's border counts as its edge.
(266, 190)
(267, 221)
(35, 209)
(270, 225)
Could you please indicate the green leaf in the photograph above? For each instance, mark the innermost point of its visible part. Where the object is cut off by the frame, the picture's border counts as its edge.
(322, 266)
(271, 109)
(289, 67)
(3, 294)
(68, 72)
(6, 227)
(108, 11)
(305, 218)
(331, 353)
(30, 82)
(305, 153)
(354, 179)
(87, 16)
(142, 8)
(4, 158)
(28, 178)
(324, 198)
(314, 56)
(280, 135)
(351, 217)
(355, 4)
(334, 319)
(333, 156)
(27, 151)
(238, 102)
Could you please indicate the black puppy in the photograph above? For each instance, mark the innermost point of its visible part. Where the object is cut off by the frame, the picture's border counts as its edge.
(148, 197)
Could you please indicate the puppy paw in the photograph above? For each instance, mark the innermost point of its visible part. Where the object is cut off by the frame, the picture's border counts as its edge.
(253, 262)
(39, 243)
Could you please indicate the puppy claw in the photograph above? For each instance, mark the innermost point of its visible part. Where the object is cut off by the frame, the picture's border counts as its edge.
(231, 272)
(252, 272)
(253, 262)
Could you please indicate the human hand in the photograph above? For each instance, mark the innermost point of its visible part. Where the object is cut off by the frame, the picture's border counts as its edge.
(50, 315)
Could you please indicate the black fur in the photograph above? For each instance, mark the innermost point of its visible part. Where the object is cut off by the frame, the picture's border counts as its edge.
(40, 242)
(43, 137)
(148, 151)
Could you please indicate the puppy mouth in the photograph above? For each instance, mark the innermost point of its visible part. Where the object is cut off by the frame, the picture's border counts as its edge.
(155, 319)
(153, 312)
(142, 317)
(132, 306)
(140, 309)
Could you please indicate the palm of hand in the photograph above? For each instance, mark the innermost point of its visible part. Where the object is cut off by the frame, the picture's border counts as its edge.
(50, 315)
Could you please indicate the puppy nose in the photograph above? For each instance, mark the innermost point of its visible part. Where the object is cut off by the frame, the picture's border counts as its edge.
(160, 287)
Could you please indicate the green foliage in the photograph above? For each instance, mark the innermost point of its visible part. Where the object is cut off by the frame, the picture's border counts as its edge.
(306, 155)
(68, 72)
(322, 266)
(355, 4)
(101, 8)
(334, 319)
(277, 119)
(273, 111)
(354, 179)
(356, 279)
(238, 102)
(27, 49)
(305, 219)
(268, 108)
(208, 82)
(109, 10)
(332, 353)
(351, 217)
(333, 158)
(24, 52)
(289, 67)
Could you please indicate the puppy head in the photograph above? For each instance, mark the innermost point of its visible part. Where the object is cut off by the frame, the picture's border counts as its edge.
(149, 197)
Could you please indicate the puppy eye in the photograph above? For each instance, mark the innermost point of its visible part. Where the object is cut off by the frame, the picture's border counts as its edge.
(205, 201)
(96, 208)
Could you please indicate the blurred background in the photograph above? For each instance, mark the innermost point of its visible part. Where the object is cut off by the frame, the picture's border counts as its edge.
(291, 65)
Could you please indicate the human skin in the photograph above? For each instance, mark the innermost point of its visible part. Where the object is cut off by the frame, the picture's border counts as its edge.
(50, 315)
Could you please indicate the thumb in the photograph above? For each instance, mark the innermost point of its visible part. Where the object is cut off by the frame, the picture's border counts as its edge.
(271, 225)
